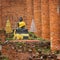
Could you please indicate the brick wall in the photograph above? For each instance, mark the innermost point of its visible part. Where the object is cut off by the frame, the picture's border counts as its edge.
(45, 19)
(29, 13)
(37, 17)
(54, 24)
(43, 12)
(12, 10)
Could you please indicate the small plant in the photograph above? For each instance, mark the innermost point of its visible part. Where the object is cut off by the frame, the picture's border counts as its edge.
(9, 39)
(32, 35)
(2, 31)
(57, 52)
(5, 58)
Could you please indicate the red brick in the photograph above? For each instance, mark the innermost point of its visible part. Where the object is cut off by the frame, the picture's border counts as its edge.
(45, 19)
(37, 16)
(41, 11)
(29, 13)
(54, 24)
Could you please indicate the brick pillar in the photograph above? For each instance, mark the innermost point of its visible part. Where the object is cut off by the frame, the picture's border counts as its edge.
(25, 11)
(29, 13)
(0, 16)
(45, 19)
(37, 16)
(54, 25)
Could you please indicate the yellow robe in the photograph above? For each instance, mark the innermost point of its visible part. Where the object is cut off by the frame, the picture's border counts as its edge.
(21, 24)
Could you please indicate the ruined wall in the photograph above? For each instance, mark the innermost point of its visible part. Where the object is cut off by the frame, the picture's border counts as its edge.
(54, 24)
(43, 12)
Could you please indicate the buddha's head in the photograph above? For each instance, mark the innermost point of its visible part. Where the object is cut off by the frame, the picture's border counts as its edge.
(20, 19)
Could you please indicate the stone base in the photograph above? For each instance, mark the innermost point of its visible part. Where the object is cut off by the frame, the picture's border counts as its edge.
(9, 51)
(24, 41)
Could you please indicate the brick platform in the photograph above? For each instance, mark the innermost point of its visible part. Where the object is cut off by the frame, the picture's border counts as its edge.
(25, 41)
(12, 54)
(9, 51)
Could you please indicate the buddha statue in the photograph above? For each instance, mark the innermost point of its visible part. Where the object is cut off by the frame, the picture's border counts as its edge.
(21, 32)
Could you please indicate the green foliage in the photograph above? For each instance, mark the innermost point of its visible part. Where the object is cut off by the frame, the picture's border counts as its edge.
(46, 50)
(9, 39)
(57, 52)
(5, 58)
(2, 31)
(32, 36)
(9, 36)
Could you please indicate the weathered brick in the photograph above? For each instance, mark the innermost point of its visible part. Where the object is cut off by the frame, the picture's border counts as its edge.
(29, 13)
(43, 12)
(45, 19)
(37, 16)
(54, 24)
